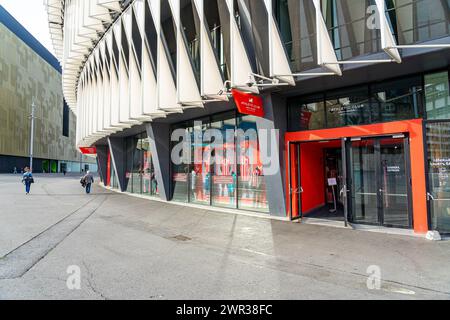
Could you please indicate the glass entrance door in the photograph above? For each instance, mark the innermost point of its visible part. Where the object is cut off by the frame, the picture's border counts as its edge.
(364, 194)
(380, 188)
(394, 183)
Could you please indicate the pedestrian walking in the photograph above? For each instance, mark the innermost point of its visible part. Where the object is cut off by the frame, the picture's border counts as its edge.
(27, 180)
(15, 170)
(87, 181)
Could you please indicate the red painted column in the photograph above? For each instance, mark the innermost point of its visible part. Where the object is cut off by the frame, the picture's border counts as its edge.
(419, 190)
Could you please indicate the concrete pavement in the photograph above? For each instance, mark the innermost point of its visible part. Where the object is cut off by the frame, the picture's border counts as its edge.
(130, 248)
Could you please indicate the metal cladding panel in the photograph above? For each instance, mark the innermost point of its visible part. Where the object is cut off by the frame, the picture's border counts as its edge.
(114, 79)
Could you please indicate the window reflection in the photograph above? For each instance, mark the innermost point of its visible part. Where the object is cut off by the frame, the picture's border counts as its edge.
(418, 20)
(228, 173)
(180, 173)
(351, 107)
(399, 99)
(297, 25)
(438, 137)
(347, 25)
(200, 173)
(252, 188)
(394, 100)
(437, 95)
(140, 173)
(224, 170)
(308, 114)
(190, 26)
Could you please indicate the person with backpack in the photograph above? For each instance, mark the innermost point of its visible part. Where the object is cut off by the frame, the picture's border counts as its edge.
(87, 181)
(27, 180)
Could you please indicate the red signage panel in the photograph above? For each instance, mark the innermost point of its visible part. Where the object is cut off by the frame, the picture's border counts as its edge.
(248, 103)
(88, 150)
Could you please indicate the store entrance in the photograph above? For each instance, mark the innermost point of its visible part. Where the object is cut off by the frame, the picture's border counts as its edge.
(319, 177)
(356, 180)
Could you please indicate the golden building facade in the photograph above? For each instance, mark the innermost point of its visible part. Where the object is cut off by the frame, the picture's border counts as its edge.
(27, 75)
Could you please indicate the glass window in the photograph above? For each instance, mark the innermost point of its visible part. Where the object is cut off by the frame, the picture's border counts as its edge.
(350, 107)
(394, 100)
(416, 21)
(218, 19)
(149, 182)
(347, 25)
(437, 96)
(438, 137)
(224, 183)
(151, 35)
(307, 113)
(251, 181)
(190, 26)
(138, 167)
(297, 24)
(114, 181)
(169, 36)
(200, 173)
(259, 32)
(398, 99)
(225, 173)
(131, 143)
(180, 173)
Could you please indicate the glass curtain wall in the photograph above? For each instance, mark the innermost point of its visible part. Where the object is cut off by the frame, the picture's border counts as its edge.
(256, 28)
(347, 22)
(349, 107)
(140, 174)
(398, 99)
(151, 43)
(296, 22)
(200, 173)
(218, 25)
(224, 182)
(169, 37)
(190, 26)
(393, 100)
(414, 21)
(438, 139)
(251, 187)
(114, 180)
(180, 172)
(437, 95)
(226, 173)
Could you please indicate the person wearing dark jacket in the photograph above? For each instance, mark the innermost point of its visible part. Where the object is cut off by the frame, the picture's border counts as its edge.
(27, 180)
(88, 180)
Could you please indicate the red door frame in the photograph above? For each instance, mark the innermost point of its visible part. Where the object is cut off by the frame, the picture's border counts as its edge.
(417, 159)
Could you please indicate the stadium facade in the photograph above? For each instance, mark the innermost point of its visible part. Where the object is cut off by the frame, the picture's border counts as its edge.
(349, 100)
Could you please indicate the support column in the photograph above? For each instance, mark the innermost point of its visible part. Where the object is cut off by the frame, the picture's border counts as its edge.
(271, 143)
(118, 160)
(102, 161)
(159, 136)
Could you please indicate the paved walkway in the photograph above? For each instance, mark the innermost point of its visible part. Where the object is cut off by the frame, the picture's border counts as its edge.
(130, 248)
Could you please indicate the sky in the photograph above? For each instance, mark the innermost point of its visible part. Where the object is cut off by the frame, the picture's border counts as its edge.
(32, 15)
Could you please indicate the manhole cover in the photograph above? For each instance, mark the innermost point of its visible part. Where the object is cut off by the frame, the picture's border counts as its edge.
(181, 238)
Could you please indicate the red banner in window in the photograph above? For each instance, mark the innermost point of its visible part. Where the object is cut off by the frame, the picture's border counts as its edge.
(305, 119)
(248, 103)
(88, 150)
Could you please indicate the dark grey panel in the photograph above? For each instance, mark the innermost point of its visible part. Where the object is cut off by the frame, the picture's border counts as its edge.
(159, 136)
